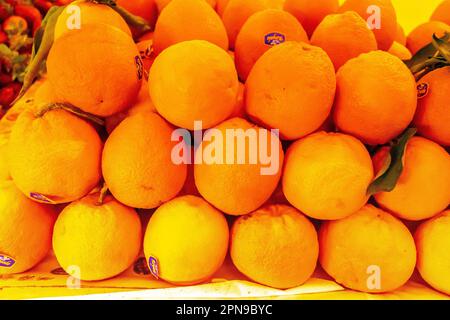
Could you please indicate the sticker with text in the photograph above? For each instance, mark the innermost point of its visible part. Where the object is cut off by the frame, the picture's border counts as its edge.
(153, 266)
(6, 261)
(274, 38)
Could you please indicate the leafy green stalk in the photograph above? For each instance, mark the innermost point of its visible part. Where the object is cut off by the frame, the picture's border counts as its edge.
(41, 47)
(137, 23)
(393, 167)
(433, 56)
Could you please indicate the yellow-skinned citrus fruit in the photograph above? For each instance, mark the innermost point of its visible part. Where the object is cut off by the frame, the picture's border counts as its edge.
(276, 246)
(95, 241)
(186, 241)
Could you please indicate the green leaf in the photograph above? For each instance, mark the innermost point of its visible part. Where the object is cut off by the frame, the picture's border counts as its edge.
(393, 167)
(43, 46)
(442, 46)
(37, 41)
(430, 57)
(136, 22)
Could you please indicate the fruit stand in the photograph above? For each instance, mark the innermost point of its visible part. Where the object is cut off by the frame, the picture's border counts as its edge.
(283, 150)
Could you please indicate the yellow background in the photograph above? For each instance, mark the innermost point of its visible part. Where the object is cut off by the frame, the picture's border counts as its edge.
(411, 13)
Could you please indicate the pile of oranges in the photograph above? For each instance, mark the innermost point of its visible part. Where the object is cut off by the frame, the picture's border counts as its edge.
(91, 145)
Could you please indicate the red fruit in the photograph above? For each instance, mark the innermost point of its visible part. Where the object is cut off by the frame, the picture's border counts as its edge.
(15, 24)
(9, 93)
(5, 79)
(3, 37)
(31, 14)
(43, 4)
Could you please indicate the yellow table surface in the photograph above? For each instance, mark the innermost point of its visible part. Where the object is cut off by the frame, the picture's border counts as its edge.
(48, 280)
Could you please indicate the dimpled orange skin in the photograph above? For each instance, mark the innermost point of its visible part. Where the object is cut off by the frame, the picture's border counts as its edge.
(142, 174)
(433, 258)
(388, 18)
(311, 13)
(433, 117)
(400, 35)
(400, 51)
(275, 246)
(239, 109)
(291, 88)
(102, 76)
(423, 35)
(238, 11)
(369, 238)
(102, 240)
(442, 12)
(237, 189)
(251, 40)
(351, 37)
(422, 190)
(25, 229)
(184, 20)
(56, 155)
(146, 9)
(143, 103)
(89, 13)
(161, 4)
(376, 97)
(221, 6)
(194, 81)
(189, 238)
(326, 175)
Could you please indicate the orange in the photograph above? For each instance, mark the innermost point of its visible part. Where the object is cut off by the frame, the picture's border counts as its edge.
(239, 109)
(326, 175)
(143, 103)
(96, 241)
(275, 246)
(291, 88)
(351, 37)
(422, 190)
(400, 35)
(146, 9)
(146, 36)
(137, 163)
(237, 12)
(203, 84)
(311, 13)
(147, 54)
(400, 51)
(88, 13)
(25, 230)
(423, 35)
(433, 117)
(161, 4)
(184, 20)
(433, 258)
(186, 241)
(262, 31)
(54, 156)
(369, 251)
(380, 16)
(442, 12)
(376, 97)
(45, 94)
(221, 6)
(229, 171)
(8, 120)
(105, 71)
(189, 187)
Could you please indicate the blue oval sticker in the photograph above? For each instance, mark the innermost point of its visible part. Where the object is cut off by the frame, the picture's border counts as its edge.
(153, 266)
(6, 261)
(274, 38)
